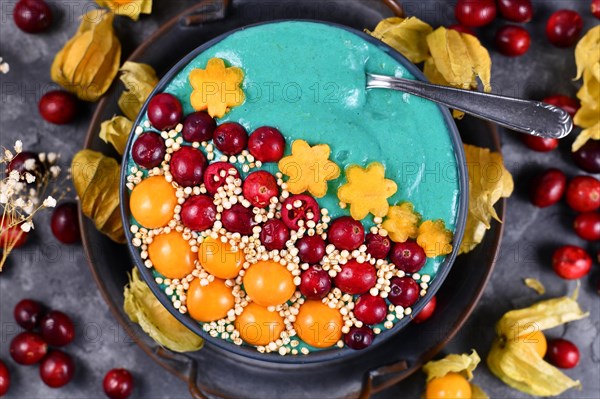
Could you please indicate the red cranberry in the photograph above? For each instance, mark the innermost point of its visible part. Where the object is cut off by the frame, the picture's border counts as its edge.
(516, 10)
(564, 28)
(426, 312)
(583, 193)
(404, 291)
(259, 187)
(346, 233)
(4, 379)
(475, 13)
(356, 278)
(359, 337)
(198, 213)
(462, 29)
(187, 166)
(548, 188)
(238, 219)
(13, 236)
(164, 111)
(512, 40)
(118, 384)
(567, 103)
(216, 175)
(32, 16)
(28, 348)
(274, 234)
(58, 107)
(408, 256)
(315, 283)
(539, 144)
(57, 329)
(587, 226)
(571, 262)
(28, 313)
(199, 127)
(266, 144)
(298, 208)
(230, 138)
(370, 309)
(562, 353)
(378, 246)
(588, 156)
(311, 249)
(595, 8)
(149, 150)
(65, 223)
(21, 159)
(57, 369)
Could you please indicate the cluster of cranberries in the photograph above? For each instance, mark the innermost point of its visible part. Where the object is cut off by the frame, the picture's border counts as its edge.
(53, 329)
(563, 28)
(189, 167)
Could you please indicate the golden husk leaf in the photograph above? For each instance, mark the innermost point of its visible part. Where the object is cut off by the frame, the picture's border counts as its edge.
(407, 35)
(489, 181)
(535, 285)
(89, 61)
(587, 51)
(143, 308)
(517, 362)
(96, 180)
(477, 392)
(129, 8)
(116, 132)
(139, 80)
(462, 364)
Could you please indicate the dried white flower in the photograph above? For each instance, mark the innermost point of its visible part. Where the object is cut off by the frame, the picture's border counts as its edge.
(3, 198)
(27, 226)
(52, 157)
(29, 177)
(14, 176)
(20, 203)
(29, 164)
(4, 67)
(18, 146)
(49, 202)
(8, 155)
(42, 156)
(55, 170)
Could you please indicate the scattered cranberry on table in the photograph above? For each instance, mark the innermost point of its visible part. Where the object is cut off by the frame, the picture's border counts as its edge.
(370, 309)
(266, 144)
(562, 353)
(164, 111)
(462, 29)
(548, 188)
(426, 312)
(516, 10)
(315, 283)
(564, 28)
(149, 150)
(238, 219)
(259, 188)
(57, 328)
(65, 223)
(4, 378)
(274, 234)
(28, 314)
(512, 40)
(408, 256)
(118, 384)
(359, 337)
(569, 104)
(378, 246)
(539, 144)
(571, 262)
(58, 107)
(230, 138)
(198, 127)
(346, 233)
(32, 16)
(311, 249)
(475, 13)
(57, 369)
(587, 226)
(14, 235)
(595, 8)
(587, 157)
(404, 291)
(356, 278)
(198, 213)
(583, 194)
(28, 348)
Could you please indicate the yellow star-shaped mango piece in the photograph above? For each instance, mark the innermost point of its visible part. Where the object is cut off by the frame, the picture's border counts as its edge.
(367, 190)
(434, 238)
(402, 222)
(216, 88)
(309, 168)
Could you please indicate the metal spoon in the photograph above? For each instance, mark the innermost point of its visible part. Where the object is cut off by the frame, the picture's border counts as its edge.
(531, 117)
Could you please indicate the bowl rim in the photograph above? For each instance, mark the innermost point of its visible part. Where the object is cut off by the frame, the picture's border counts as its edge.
(331, 354)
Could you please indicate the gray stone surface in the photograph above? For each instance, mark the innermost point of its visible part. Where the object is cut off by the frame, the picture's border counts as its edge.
(58, 275)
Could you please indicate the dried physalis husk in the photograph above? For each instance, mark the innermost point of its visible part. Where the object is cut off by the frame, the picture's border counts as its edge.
(143, 308)
(535, 285)
(139, 81)
(116, 132)
(89, 61)
(587, 51)
(96, 180)
(462, 364)
(516, 362)
(406, 35)
(489, 181)
(129, 8)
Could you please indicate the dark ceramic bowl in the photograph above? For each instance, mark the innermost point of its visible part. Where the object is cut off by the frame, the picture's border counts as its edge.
(327, 354)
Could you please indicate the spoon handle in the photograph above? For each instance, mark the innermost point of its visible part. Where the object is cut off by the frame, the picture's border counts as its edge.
(531, 117)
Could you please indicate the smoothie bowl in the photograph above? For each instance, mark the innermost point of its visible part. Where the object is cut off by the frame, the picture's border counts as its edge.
(279, 209)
